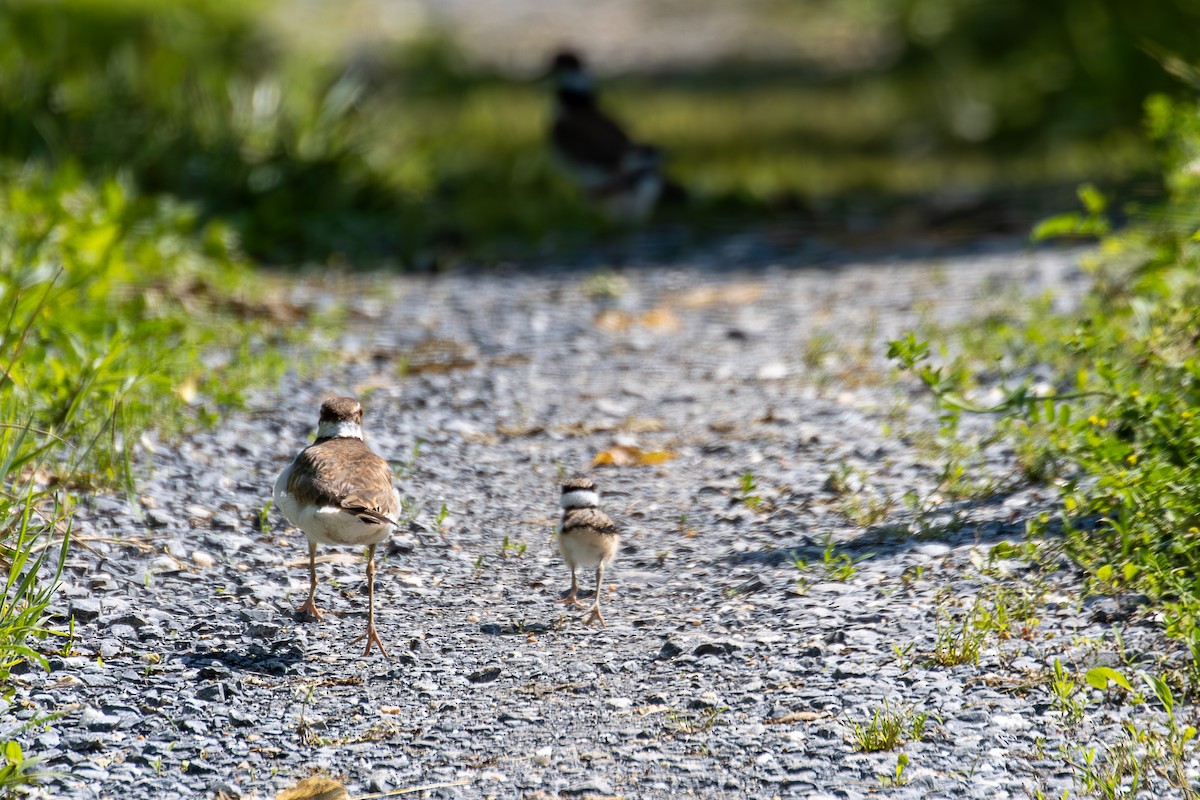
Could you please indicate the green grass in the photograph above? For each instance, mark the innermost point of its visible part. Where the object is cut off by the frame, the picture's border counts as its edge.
(120, 314)
(888, 728)
(1114, 425)
(1117, 425)
(122, 311)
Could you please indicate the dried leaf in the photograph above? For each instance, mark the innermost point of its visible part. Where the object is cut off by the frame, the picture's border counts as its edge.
(659, 318)
(579, 428)
(797, 716)
(625, 456)
(505, 429)
(437, 355)
(734, 294)
(317, 787)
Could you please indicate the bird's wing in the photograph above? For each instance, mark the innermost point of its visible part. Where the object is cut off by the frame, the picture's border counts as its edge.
(589, 518)
(590, 136)
(347, 474)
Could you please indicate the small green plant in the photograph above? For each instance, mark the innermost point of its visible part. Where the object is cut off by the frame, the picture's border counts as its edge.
(605, 285)
(68, 646)
(480, 567)
(1146, 755)
(888, 728)
(440, 520)
(842, 480)
(865, 510)
(19, 769)
(802, 580)
(904, 654)
(958, 642)
(817, 348)
(747, 487)
(414, 455)
(1066, 695)
(699, 722)
(1004, 611)
(1178, 739)
(508, 547)
(27, 533)
(410, 509)
(838, 566)
(264, 518)
(897, 777)
(304, 729)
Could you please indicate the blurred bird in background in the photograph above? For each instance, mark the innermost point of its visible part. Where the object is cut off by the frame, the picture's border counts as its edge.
(623, 178)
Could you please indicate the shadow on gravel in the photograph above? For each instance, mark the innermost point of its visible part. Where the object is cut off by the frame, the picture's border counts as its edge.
(514, 628)
(766, 247)
(892, 539)
(215, 664)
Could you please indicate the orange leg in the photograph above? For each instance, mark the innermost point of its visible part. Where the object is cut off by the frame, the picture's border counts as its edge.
(310, 605)
(594, 614)
(570, 599)
(370, 634)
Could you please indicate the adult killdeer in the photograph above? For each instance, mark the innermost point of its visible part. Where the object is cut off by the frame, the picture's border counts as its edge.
(622, 177)
(340, 492)
(586, 538)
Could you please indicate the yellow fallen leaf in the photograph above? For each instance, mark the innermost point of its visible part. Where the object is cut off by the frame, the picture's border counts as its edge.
(732, 294)
(625, 456)
(318, 787)
(390, 709)
(187, 391)
(660, 318)
(797, 716)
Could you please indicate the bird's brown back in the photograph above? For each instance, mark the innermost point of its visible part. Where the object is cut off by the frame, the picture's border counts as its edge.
(587, 518)
(344, 472)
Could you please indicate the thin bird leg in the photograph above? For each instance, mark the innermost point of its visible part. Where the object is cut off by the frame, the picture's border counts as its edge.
(310, 605)
(371, 635)
(570, 599)
(593, 614)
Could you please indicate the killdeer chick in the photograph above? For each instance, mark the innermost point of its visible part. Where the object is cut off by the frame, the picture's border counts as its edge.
(340, 492)
(622, 177)
(586, 538)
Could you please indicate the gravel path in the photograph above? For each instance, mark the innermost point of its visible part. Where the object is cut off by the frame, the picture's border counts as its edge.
(725, 671)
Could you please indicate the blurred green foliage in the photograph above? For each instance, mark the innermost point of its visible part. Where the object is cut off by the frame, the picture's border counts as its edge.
(120, 313)
(410, 155)
(192, 100)
(1007, 69)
